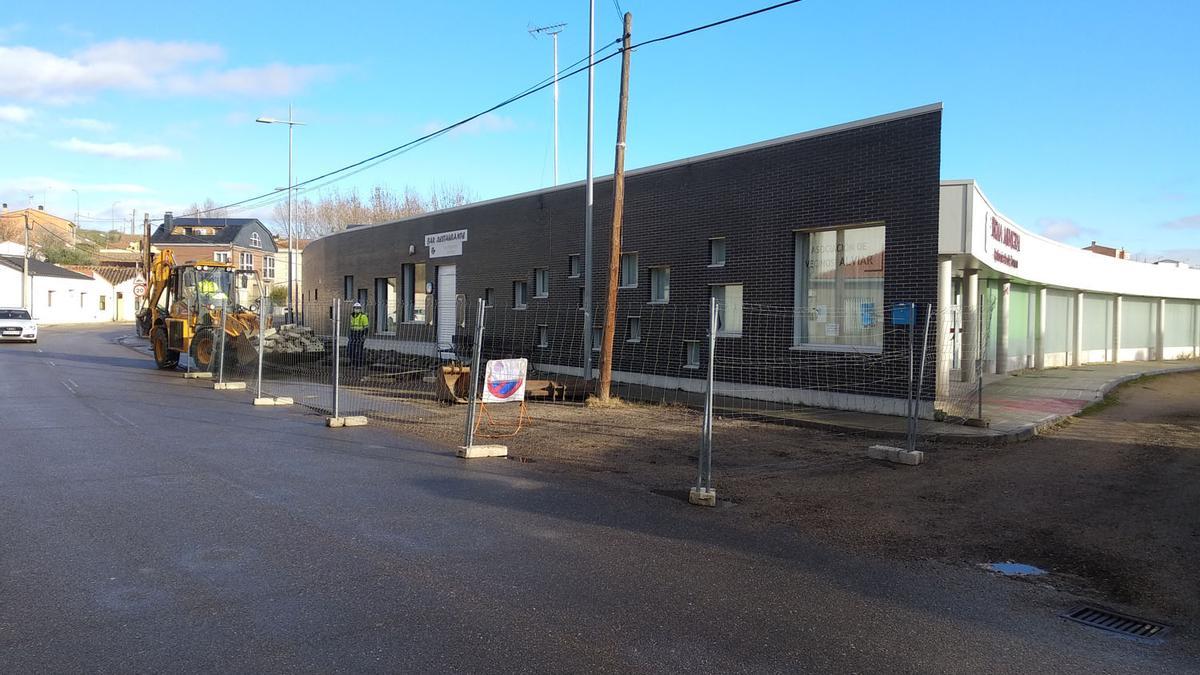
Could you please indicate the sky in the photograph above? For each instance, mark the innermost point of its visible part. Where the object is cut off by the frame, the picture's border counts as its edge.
(1079, 119)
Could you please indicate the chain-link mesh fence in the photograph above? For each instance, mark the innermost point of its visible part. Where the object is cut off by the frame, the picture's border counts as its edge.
(966, 352)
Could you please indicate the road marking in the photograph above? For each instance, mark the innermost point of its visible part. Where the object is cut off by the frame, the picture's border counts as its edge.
(123, 419)
(68, 387)
(73, 383)
(50, 362)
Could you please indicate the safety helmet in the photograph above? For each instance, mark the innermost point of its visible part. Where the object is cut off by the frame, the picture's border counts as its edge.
(358, 305)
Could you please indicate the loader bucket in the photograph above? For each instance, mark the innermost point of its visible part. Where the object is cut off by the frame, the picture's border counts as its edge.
(453, 382)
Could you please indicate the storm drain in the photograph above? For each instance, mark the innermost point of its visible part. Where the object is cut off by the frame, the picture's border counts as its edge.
(1116, 623)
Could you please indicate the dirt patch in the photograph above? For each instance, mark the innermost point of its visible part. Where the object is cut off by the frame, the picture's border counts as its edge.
(1108, 503)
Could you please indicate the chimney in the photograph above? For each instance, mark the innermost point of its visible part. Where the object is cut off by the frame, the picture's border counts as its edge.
(1093, 242)
(41, 208)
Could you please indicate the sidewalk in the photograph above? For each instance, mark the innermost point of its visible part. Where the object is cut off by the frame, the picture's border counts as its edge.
(1017, 407)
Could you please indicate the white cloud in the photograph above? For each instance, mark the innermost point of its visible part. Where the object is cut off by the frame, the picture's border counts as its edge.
(1191, 222)
(1060, 229)
(484, 124)
(11, 30)
(146, 67)
(117, 150)
(88, 124)
(15, 114)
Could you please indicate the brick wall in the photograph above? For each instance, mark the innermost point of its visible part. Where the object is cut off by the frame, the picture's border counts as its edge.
(757, 198)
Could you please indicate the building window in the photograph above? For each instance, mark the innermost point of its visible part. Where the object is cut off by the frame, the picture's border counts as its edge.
(49, 298)
(716, 252)
(103, 303)
(691, 353)
(255, 240)
(247, 261)
(839, 288)
(729, 309)
(348, 287)
(543, 335)
(574, 268)
(489, 297)
(385, 305)
(221, 256)
(597, 338)
(634, 329)
(541, 283)
(580, 299)
(520, 294)
(629, 270)
(415, 297)
(660, 284)
(83, 300)
(268, 267)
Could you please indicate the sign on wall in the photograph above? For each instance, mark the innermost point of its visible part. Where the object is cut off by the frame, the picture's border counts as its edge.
(504, 381)
(445, 244)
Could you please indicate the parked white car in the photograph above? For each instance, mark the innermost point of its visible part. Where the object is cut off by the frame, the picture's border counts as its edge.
(17, 324)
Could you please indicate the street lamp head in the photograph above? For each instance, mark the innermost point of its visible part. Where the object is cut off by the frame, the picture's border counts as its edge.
(266, 120)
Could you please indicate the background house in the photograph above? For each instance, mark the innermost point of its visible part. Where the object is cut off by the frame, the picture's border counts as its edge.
(116, 286)
(57, 294)
(245, 242)
(46, 226)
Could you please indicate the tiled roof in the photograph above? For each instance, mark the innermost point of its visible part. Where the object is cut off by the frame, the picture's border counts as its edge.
(39, 268)
(111, 273)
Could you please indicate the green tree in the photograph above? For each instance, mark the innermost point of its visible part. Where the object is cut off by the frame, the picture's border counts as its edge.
(65, 255)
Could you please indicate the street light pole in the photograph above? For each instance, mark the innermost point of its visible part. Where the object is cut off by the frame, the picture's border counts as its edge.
(553, 31)
(587, 216)
(291, 241)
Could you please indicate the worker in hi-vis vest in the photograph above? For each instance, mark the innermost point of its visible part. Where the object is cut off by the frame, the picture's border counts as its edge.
(359, 324)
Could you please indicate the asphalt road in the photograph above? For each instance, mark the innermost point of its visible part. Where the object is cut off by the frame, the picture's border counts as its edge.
(149, 523)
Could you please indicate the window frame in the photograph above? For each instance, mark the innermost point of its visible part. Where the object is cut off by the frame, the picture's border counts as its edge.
(666, 299)
(543, 336)
(268, 271)
(541, 277)
(630, 322)
(621, 270)
(221, 256)
(597, 337)
(524, 302)
(242, 257)
(255, 240)
(489, 296)
(801, 252)
(724, 251)
(687, 357)
(722, 332)
(574, 266)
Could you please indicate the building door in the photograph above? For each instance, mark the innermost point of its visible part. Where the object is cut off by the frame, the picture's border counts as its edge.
(120, 309)
(446, 313)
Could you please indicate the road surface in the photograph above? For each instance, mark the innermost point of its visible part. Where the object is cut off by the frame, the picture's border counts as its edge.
(152, 524)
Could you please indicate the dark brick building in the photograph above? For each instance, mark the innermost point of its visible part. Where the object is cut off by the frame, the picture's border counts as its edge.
(807, 240)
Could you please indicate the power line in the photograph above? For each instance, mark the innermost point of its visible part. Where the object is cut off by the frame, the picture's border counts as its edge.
(567, 72)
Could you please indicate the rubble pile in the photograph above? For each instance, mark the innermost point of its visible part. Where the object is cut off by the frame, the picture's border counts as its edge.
(291, 339)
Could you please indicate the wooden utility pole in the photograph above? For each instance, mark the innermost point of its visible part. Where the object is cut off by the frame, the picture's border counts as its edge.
(146, 246)
(614, 257)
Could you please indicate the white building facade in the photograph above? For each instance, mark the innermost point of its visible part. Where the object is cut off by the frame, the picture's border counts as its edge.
(1017, 300)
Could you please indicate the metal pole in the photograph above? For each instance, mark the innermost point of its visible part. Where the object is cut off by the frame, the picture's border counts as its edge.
(921, 378)
(221, 351)
(912, 327)
(25, 299)
(475, 372)
(262, 326)
(979, 359)
(337, 360)
(587, 219)
(705, 480)
(291, 285)
(555, 36)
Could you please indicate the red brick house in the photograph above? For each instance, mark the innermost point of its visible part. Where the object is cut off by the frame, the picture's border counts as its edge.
(245, 242)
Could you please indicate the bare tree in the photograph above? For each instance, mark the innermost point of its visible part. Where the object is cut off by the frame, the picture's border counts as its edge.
(335, 210)
(207, 209)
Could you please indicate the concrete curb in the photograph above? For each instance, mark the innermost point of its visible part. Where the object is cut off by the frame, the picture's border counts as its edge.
(894, 455)
(349, 421)
(267, 400)
(229, 386)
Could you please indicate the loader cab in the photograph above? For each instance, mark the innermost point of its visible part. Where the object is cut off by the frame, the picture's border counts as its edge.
(195, 295)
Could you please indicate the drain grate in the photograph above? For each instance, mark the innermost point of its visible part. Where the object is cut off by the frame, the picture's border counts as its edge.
(1116, 623)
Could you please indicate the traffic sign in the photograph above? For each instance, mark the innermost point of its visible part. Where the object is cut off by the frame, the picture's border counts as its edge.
(139, 289)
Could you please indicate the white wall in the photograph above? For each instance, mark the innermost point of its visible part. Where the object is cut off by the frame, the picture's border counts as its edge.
(75, 300)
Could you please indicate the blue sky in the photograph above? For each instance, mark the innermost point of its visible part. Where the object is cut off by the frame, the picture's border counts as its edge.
(1079, 119)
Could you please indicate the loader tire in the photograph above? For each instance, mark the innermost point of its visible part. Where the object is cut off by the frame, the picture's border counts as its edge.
(165, 358)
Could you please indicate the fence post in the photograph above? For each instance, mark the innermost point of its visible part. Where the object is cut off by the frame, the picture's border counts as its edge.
(221, 350)
(909, 411)
(337, 357)
(477, 350)
(703, 494)
(979, 359)
(262, 326)
(912, 444)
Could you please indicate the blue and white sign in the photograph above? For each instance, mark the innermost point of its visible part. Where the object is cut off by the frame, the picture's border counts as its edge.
(504, 381)
(902, 314)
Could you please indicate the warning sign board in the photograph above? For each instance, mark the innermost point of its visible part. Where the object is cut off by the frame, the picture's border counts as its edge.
(505, 380)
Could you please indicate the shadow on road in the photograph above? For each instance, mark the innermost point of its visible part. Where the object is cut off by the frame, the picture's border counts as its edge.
(117, 361)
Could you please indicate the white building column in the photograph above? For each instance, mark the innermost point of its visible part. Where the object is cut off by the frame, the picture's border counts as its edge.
(1196, 329)
(1160, 330)
(970, 324)
(1039, 329)
(1116, 329)
(1002, 327)
(1077, 337)
(945, 298)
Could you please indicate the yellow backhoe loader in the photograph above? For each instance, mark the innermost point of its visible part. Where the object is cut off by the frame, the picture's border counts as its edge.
(183, 308)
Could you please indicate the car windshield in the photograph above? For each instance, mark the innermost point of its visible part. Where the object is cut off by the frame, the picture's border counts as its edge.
(14, 314)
